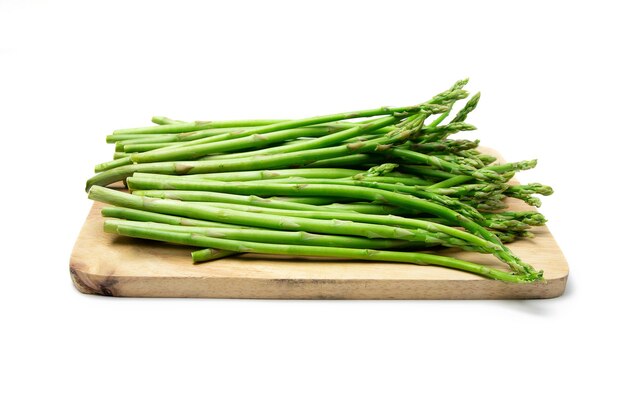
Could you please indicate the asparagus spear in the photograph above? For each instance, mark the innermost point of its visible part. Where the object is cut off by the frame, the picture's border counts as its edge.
(469, 107)
(299, 250)
(195, 126)
(449, 236)
(442, 132)
(197, 147)
(525, 192)
(356, 160)
(500, 169)
(259, 141)
(148, 216)
(210, 254)
(444, 146)
(246, 164)
(269, 236)
(205, 212)
(413, 157)
(443, 200)
(161, 120)
(362, 193)
(443, 100)
(277, 173)
(207, 196)
(121, 137)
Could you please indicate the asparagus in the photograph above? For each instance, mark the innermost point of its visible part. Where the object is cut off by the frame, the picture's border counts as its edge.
(324, 141)
(209, 254)
(426, 171)
(317, 201)
(362, 193)
(148, 216)
(417, 191)
(444, 146)
(439, 133)
(292, 203)
(469, 160)
(247, 164)
(161, 120)
(111, 165)
(367, 208)
(258, 140)
(449, 236)
(525, 192)
(393, 179)
(531, 218)
(205, 212)
(198, 137)
(207, 196)
(300, 250)
(269, 236)
(198, 146)
(195, 126)
(471, 104)
(150, 142)
(499, 169)
(143, 147)
(483, 174)
(122, 137)
(277, 173)
(356, 160)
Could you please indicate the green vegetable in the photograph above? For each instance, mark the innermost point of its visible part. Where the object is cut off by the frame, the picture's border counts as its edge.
(344, 185)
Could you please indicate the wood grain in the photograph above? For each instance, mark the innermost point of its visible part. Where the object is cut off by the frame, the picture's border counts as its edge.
(106, 264)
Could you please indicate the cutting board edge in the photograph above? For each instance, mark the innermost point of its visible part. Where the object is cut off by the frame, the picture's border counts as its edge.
(306, 289)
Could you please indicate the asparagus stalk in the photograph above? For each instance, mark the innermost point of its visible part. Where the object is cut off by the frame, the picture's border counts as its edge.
(275, 174)
(413, 157)
(148, 216)
(210, 254)
(172, 139)
(161, 120)
(368, 208)
(444, 146)
(356, 160)
(144, 147)
(269, 236)
(302, 203)
(197, 146)
(469, 107)
(195, 126)
(442, 132)
(531, 218)
(525, 192)
(207, 196)
(122, 137)
(361, 193)
(247, 164)
(443, 200)
(198, 138)
(448, 236)
(500, 169)
(206, 212)
(253, 141)
(300, 250)
(316, 201)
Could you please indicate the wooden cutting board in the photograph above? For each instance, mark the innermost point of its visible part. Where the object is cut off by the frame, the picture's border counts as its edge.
(107, 264)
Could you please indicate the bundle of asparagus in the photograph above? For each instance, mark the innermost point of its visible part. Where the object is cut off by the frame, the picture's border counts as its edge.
(386, 184)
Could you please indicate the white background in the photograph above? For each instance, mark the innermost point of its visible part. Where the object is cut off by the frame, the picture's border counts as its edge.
(551, 74)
